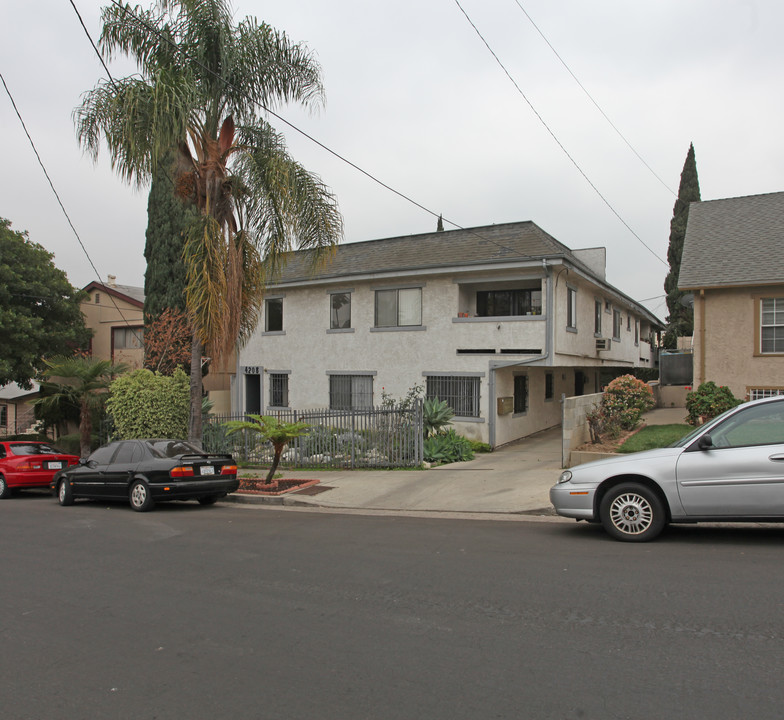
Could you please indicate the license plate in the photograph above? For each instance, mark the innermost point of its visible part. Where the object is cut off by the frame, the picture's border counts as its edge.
(55, 464)
(207, 470)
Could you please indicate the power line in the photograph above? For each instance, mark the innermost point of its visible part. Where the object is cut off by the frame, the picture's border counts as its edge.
(56, 194)
(596, 104)
(555, 137)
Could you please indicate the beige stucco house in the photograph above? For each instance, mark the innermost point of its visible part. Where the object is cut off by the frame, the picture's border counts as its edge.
(17, 414)
(733, 262)
(500, 321)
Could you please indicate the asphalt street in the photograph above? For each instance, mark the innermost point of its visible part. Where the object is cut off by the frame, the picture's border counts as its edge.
(255, 612)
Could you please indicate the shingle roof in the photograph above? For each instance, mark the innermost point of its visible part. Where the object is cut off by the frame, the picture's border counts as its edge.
(130, 292)
(509, 242)
(735, 241)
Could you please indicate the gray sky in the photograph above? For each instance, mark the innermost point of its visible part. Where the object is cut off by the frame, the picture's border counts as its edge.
(416, 99)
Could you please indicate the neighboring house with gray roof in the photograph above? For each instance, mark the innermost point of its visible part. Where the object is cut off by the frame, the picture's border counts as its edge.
(733, 262)
(500, 321)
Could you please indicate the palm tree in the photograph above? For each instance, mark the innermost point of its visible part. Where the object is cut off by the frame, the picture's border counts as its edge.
(81, 382)
(203, 88)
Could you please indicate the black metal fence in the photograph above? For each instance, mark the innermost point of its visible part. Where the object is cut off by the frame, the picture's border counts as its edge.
(379, 437)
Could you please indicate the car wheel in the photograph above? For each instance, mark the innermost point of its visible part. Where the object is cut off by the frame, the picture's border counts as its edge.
(5, 491)
(139, 496)
(633, 513)
(209, 499)
(65, 493)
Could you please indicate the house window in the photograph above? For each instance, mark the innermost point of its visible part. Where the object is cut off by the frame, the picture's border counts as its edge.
(3, 415)
(628, 323)
(459, 392)
(350, 391)
(549, 390)
(273, 315)
(571, 308)
(636, 332)
(597, 318)
(503, 303)
(97, 298)
(340, 311)
(399, 308)
(520, 393)
(279, 390)
(128, 338)
(772, 325)
(759, 393)
(616, 324)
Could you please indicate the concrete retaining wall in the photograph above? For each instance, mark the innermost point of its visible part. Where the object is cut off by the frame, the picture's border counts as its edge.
(574, 425)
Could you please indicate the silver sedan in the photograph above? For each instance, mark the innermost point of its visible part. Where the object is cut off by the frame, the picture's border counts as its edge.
(730, 469)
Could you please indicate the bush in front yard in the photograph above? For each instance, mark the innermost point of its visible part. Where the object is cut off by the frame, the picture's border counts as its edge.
(708, 401)
(625, 400)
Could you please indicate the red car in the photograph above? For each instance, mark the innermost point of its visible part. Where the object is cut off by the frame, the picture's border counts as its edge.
(30, 464)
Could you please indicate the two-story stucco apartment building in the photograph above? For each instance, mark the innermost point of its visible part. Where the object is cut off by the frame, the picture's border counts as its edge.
(500, 321)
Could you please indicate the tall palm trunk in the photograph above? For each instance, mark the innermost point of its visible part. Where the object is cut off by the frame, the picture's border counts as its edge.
(194, 424)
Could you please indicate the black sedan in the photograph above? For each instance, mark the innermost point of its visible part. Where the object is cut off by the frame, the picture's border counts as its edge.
(145, 471)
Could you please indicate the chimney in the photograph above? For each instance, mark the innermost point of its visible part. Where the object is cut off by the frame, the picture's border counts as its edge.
(112, 280)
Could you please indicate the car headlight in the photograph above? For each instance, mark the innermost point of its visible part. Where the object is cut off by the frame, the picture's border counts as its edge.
(565, 476)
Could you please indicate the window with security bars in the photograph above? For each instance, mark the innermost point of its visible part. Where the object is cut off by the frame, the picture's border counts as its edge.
(348, 392)
(772, 325)
(520, 393)
(460, 393)
(278, 390)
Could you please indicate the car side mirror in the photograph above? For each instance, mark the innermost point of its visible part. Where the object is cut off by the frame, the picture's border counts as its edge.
(705, 442)
(83, 461)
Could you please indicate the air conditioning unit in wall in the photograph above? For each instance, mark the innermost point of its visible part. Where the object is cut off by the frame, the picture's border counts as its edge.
(603, 344)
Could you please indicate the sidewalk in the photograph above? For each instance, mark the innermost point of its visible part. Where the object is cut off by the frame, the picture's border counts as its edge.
(515, 479)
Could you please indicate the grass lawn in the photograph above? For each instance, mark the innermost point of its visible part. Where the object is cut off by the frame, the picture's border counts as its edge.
(655, 436)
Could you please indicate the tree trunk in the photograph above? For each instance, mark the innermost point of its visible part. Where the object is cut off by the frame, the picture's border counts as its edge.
(85, 429)
(194, 424)
(278, 447)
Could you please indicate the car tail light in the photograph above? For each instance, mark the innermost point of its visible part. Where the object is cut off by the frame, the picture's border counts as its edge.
(229, 470)
(28, 466)
(182, 471)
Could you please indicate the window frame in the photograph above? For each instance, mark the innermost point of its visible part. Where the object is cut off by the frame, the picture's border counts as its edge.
(136, 330)
(333, 324)
(759, 326)
(571, 308)
(520, 299)
(469, 396)
(357, 400)
(277, 381)
(521, 394)
(397, 308)
(598, 311)
(549, 386)
(617, 324)
(268, 302)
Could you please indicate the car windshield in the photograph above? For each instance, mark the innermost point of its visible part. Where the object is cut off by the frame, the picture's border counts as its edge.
(34, 449)
(172, 448)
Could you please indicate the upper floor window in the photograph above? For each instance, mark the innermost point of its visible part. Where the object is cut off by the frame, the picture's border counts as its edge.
(273, 315)
(597, 318)
(502, 303)
(127, 338)
(340, 311)
(571, 308)
(399, 308)
(772, 325)
(97, 298)
(636, 332)
(616, 324)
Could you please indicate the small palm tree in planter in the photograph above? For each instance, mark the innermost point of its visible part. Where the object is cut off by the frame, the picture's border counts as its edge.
(270, 428)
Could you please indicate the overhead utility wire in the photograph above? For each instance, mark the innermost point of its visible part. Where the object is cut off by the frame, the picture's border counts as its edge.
(302, 132)
(590, 97)
(553, 135)
(57, 196)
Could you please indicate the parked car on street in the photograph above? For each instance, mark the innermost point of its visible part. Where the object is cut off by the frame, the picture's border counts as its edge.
(30, 464)
(143, 472)
(730, 469)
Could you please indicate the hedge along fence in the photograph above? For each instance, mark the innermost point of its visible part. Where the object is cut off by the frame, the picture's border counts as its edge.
(379, 437)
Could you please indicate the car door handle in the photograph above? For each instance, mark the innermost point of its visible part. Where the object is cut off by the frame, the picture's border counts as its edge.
(776, 458)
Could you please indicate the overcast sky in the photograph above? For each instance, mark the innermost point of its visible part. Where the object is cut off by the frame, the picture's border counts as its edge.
(415, 98)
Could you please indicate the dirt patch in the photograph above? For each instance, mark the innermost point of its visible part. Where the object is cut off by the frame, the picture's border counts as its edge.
(609, 445)
(257, 486)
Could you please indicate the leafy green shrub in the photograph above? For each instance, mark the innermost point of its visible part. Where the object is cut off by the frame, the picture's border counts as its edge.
(625, 400)
(480, 447)
(447, 447)
(145, 404)
(436, 415)
(708, 401)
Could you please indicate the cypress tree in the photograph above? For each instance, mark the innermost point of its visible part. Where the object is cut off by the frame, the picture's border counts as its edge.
(167, 217)
(680, 321)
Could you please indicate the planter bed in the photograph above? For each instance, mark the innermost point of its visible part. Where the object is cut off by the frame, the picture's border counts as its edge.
(257, 486)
